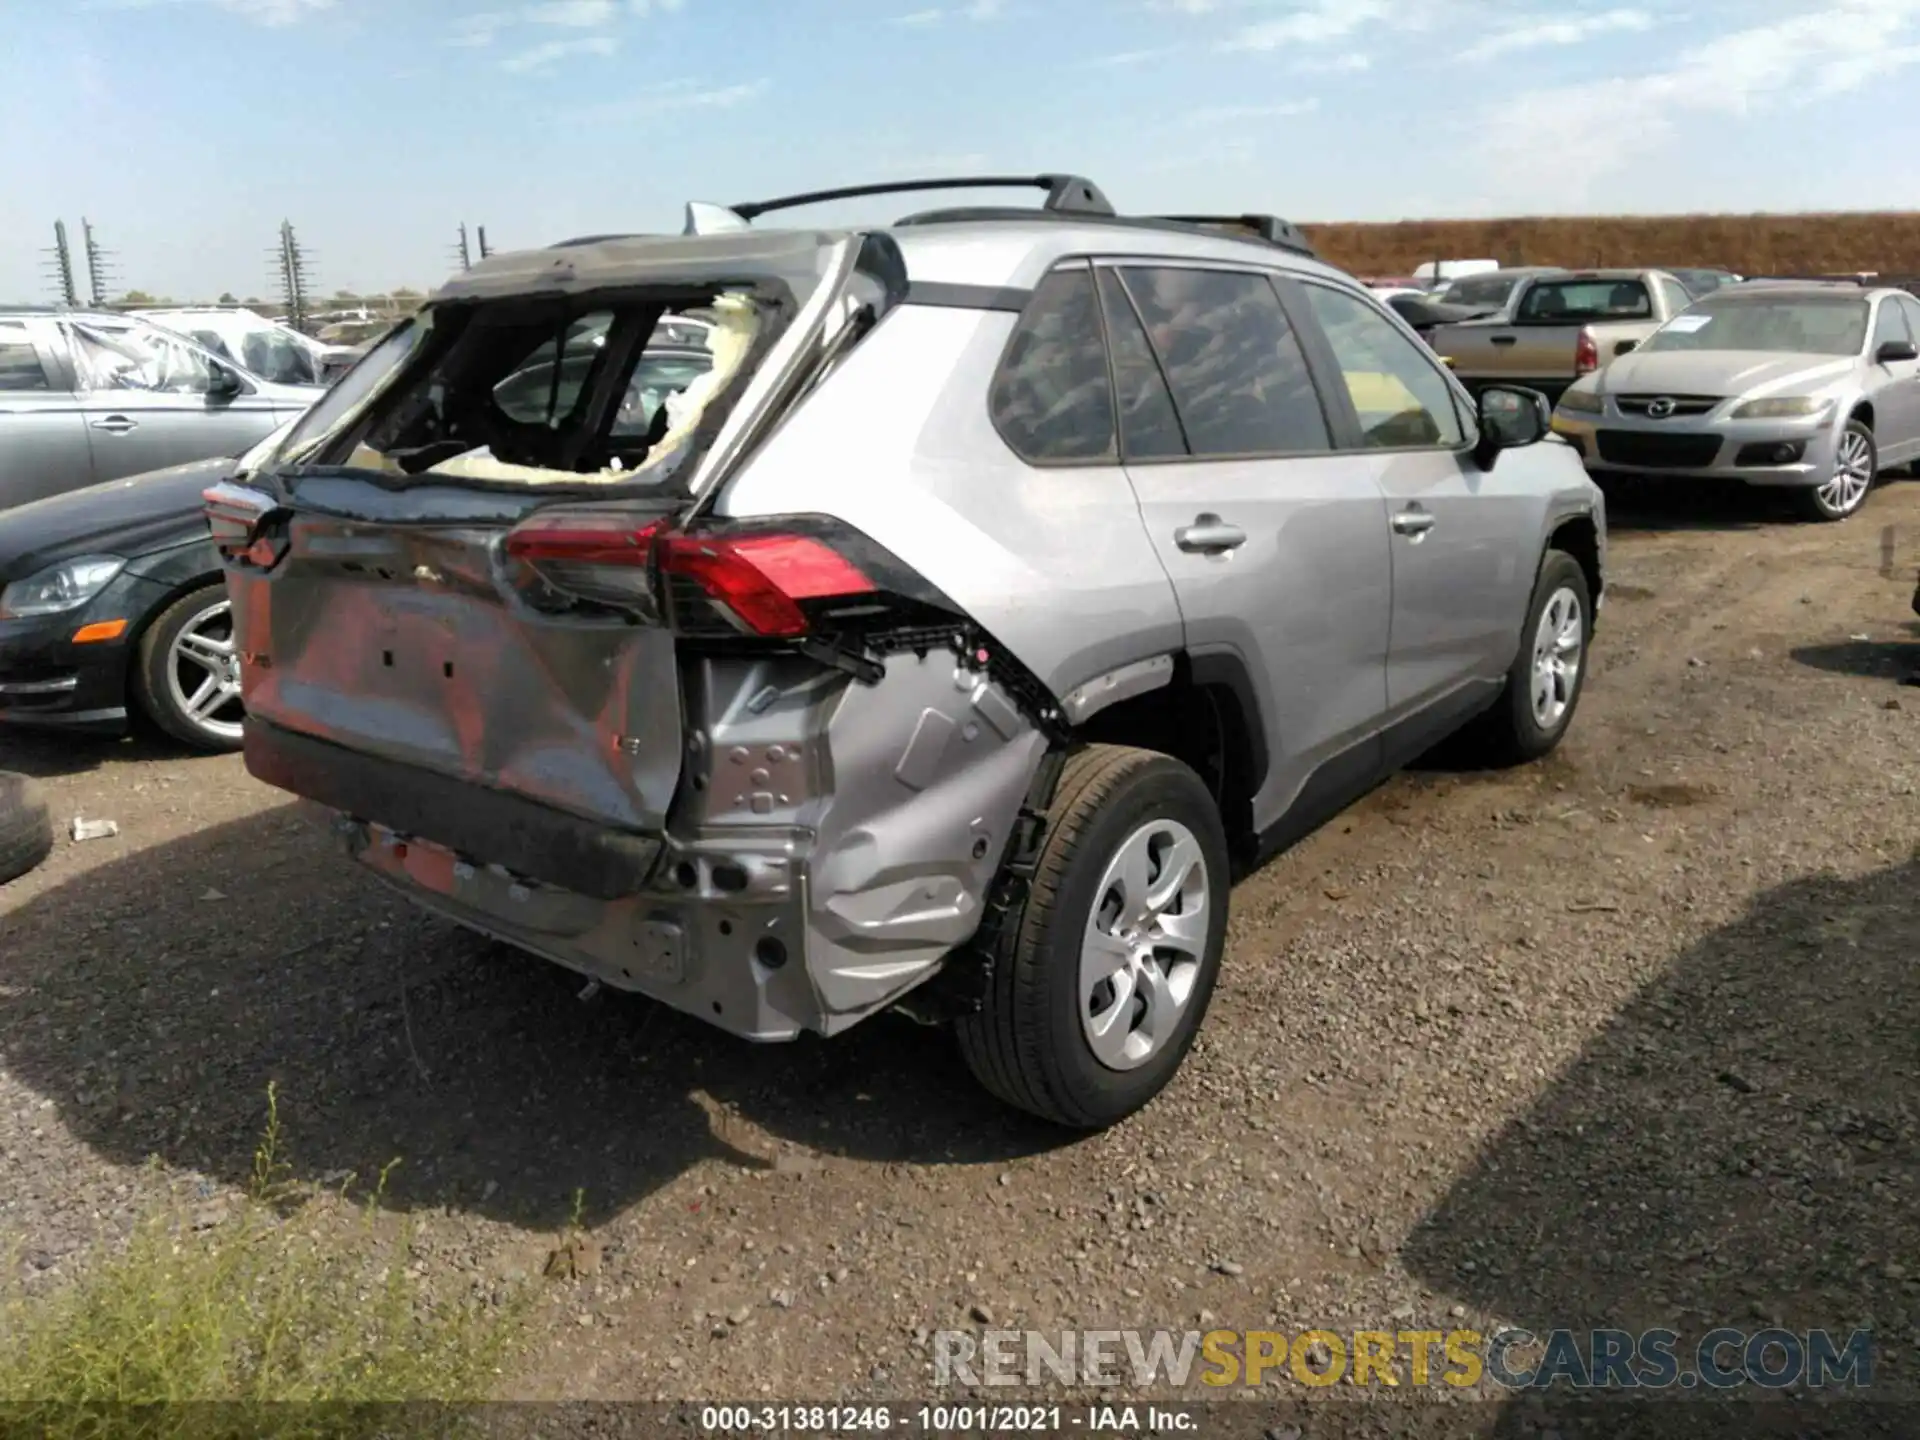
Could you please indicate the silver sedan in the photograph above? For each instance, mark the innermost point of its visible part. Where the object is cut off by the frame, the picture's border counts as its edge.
(1810, 386)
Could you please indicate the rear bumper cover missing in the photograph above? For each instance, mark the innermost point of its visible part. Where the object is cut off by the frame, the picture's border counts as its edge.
(522, 835)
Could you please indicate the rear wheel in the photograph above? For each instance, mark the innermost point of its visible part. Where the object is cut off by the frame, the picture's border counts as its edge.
(1856, 465)
(1102, 977)
(26, 828)
(188, 677)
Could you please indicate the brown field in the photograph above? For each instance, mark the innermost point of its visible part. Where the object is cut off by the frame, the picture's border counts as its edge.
(1886, 242)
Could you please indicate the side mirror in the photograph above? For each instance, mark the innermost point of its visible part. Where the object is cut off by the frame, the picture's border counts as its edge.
(223, 380)
(1509, 418)
(1896, 351)
(1624, 346)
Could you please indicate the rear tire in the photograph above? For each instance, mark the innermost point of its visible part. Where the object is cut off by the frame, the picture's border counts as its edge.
(1102, 976)
(188, 646)
(1856, 469)
(1549, 671)
(26, 827)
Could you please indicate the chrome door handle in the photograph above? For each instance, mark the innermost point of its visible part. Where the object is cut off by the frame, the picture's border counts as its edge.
(118, 424)
(1209, 535)
(1412, 522)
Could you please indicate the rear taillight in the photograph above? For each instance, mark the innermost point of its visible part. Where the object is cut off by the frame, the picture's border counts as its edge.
(1586, 354)
(758, 579)
(236, 517)
(761, 579)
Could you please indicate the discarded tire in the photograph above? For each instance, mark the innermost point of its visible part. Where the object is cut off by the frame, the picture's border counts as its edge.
(26, 829)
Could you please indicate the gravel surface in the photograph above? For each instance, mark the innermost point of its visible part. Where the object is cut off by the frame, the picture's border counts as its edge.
(1627, 1038)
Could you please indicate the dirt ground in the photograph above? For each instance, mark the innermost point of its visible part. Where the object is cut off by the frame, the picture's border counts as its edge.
(1629, 1038)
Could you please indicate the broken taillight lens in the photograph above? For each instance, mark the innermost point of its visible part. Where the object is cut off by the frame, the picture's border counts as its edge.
(756, 579)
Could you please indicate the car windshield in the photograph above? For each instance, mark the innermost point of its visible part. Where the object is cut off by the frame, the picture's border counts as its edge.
(1480, 290)
(1572, 302)
(1791, 327)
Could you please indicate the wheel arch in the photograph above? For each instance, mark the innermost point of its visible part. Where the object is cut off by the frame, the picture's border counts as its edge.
(1208, 717)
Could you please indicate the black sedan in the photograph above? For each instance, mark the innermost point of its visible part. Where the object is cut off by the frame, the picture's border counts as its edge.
(113, 611)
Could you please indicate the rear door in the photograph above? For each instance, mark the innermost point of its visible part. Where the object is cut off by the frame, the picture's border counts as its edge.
(1462, 537)
(150, 401)
(43, 434)
(1276, 541)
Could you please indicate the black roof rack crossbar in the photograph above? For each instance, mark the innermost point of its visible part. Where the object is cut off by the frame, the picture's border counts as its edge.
(1270, 228)
(1072, 194)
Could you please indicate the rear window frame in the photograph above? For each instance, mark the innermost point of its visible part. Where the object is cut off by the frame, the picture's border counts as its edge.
(774, 298)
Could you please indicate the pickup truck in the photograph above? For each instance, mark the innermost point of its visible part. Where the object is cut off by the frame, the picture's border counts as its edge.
(1561, 326)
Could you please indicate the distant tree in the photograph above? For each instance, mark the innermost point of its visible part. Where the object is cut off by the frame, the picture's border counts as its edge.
(138, 297)
(346, 296)
(254, 300)
(226, 298)
(404, 292)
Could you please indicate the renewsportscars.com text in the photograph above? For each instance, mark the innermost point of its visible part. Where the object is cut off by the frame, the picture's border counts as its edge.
(1510, 1358)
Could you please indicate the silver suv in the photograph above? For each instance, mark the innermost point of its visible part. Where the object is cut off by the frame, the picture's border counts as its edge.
(1009, 581)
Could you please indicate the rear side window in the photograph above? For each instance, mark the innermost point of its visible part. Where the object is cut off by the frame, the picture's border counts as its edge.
(1149, 425)
(20, 367)
(1051, 398)
(1569, 302)
(1236, 368)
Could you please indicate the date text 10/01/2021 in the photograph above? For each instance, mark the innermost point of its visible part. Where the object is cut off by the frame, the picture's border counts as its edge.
(942, 1419)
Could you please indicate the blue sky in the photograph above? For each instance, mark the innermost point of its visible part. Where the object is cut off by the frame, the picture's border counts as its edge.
(186, 130)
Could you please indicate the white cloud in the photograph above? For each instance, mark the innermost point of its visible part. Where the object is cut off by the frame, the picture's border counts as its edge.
(276, 12)
(670, 98)
(478, 30)
(576, 14)
(1238, 114)
(550, 52)
(1562, 139)
(1351, 63)
(934, 14)
(1558, 32)
(272, 13)
(1316, 23)
(1123, 58)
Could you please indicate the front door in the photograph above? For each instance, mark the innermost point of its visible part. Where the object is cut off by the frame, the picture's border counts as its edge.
(1276, 544)
(1896, 403)
(150, 401)
(1462, 548)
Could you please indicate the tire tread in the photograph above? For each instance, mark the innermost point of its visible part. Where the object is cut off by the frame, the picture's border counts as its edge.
(1010, 1059)
(26, 826)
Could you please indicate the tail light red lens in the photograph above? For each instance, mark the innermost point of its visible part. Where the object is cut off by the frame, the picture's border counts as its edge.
(1586, 354)
(758, 578)
(579, 539)
(762, 578)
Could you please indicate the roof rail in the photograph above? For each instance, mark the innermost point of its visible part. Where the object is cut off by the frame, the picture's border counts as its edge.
(1270, 228)
(1064, 193)
(1863, 277)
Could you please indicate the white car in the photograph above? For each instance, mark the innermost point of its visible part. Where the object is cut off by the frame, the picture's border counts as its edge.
(270, 350)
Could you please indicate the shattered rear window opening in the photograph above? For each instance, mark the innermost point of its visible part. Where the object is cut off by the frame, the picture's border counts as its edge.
(592, 389)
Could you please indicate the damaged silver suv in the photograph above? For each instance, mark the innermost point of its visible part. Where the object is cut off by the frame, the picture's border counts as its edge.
(944, 626)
